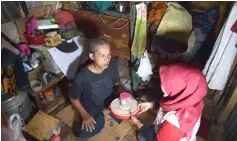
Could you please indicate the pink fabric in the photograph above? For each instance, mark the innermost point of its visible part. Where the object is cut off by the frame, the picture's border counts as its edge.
(186, 87)
(25, 49)
(234, 27)
(169, 132)
(31, 26)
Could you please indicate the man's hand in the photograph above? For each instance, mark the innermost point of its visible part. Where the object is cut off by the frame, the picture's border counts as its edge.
(88, 122)
(106, 114)
(136, 122)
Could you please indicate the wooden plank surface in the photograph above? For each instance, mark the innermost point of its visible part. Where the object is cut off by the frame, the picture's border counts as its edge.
(230, 106)
(68, 115)
(54, 104)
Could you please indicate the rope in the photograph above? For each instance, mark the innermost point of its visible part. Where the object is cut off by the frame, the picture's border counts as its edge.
(116, 28)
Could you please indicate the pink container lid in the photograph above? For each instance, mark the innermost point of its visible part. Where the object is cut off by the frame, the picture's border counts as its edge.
(125, 95)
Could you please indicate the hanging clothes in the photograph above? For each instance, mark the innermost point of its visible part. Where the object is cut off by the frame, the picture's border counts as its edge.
(135, 77)
(219, 64)
(139, 40)
(206, 20)
(156, 14)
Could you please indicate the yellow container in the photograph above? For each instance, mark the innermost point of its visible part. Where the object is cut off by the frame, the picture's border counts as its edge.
(53, 41)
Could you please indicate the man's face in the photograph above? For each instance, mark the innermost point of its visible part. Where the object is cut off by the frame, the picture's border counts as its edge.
(102, 56)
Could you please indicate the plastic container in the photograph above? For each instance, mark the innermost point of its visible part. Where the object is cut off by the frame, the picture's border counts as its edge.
(124, 114)
(57, 91)
(35, 40)
(125, 100)
(49, 95)
(69, 34)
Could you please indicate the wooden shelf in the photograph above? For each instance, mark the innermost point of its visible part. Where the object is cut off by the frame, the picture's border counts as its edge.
(52, 83)
(54, 104)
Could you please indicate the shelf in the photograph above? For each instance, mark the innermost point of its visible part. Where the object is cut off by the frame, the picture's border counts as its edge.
(54, 104)
(52, 83)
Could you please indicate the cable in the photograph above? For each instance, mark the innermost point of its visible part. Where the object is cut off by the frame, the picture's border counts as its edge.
(116, 28)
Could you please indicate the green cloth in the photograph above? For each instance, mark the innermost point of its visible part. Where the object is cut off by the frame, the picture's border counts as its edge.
(135, 77)
(139, 40)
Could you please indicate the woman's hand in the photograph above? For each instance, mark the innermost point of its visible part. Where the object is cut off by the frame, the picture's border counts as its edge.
(145, 106)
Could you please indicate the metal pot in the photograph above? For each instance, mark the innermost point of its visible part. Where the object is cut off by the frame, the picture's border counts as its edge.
(122, 7)
(46, 77)
(20, 104)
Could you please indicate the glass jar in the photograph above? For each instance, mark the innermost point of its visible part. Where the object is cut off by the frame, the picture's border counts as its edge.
(125, 100)
(57, 91)
(49, 95)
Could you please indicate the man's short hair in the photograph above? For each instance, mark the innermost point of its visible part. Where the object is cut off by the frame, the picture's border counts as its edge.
(97, 41)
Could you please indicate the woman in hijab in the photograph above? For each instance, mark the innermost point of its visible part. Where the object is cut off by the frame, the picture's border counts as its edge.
(178, 118)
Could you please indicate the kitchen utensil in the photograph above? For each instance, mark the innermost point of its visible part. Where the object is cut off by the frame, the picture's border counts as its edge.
(46, 77)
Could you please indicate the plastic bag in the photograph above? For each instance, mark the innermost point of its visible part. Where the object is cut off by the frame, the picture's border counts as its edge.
(10, 135)
(13, 132)
(145, 70)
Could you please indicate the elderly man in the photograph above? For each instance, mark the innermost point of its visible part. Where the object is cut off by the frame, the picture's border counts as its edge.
(91, 91)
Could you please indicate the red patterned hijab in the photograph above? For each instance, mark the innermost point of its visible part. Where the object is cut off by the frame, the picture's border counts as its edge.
(186, 87)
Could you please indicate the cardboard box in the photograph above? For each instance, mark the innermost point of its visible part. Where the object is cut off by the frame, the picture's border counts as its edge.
(68, 115)
(112, 131)
(131, 134)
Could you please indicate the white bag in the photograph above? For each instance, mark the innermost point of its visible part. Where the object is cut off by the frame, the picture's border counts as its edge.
(145, 70)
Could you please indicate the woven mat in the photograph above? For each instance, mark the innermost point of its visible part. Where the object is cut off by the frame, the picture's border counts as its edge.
(40, 125)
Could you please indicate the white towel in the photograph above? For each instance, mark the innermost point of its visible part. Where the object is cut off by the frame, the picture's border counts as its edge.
(219, 64)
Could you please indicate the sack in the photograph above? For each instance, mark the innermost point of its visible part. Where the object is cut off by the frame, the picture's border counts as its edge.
(176, 23)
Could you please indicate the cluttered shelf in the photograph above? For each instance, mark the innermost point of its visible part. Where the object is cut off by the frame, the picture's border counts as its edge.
(52, 105)
(50, 95)
(50, 84)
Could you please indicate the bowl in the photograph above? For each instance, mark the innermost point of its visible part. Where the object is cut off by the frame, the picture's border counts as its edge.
(124, 114)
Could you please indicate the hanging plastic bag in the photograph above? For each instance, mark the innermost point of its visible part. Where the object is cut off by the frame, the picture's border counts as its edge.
(145, 69)
(13, 132)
